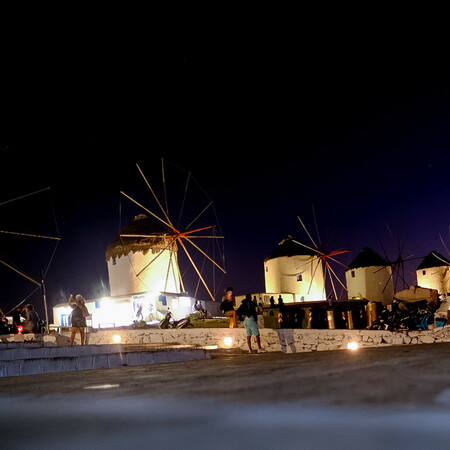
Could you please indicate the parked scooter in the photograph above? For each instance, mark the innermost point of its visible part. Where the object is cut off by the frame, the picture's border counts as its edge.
(167, 322)
(182, 323)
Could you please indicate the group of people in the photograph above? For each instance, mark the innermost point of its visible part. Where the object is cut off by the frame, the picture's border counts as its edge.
(247, 312)
(26, 317)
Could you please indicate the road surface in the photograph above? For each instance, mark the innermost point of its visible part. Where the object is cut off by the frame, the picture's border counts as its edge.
(391, 397)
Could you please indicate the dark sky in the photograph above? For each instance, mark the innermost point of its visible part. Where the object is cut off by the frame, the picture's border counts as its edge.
(352, 123)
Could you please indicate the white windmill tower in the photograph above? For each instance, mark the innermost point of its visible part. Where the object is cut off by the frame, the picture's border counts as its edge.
(434, 273)
(293, 269)
(143, 259)
(303, 270)
(369, 277)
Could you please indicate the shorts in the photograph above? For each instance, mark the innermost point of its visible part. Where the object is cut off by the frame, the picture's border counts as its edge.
(251, 327)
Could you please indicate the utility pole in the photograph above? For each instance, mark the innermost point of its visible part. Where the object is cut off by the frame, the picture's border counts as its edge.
(45, 302)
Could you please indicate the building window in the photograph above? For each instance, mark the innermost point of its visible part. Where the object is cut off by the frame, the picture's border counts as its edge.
(353, 274)
(114, 261)
(299, 277)
(424, 272)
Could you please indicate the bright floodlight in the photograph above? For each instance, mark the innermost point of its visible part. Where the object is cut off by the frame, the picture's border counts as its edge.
(117, 339)
(352, 346)
(228, 341)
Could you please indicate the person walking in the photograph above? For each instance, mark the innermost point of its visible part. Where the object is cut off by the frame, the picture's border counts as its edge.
(249, 312)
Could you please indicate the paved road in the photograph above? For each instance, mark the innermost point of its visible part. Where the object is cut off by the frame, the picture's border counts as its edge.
(393, 397)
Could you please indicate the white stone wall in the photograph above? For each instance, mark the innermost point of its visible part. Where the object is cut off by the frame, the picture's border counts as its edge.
(285, 340)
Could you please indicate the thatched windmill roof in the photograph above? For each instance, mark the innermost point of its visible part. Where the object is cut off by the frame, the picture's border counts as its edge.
(433, 259)
(368, 258)
(287, 247)
(141, 226)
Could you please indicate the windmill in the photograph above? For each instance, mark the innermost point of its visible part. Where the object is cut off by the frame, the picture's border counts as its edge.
(324, 259)
(40, 281)
(186, 226)
(306, 271)
(434, 271)
(398, 272)
(370, 277)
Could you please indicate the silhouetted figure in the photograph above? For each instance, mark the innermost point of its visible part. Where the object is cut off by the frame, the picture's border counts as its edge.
(17, 317)
(280, 301)
(31, 324)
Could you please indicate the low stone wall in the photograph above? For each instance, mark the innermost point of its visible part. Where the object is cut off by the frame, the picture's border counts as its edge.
(274, 340)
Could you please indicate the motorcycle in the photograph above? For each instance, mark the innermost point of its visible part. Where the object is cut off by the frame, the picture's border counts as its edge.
(403, 317)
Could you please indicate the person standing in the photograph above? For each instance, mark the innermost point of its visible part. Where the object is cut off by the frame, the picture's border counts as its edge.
(227, 306)
(31, 324)
(248, 310)
(17, 317)
(77, 318)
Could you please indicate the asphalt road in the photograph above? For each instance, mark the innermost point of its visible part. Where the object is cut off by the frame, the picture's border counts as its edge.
(392, 397)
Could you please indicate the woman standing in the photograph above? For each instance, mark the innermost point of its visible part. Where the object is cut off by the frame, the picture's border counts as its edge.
(77, 318)
(227, 306)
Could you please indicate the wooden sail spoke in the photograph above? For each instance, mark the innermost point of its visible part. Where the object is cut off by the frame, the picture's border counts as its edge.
(30, 235)
(205, 254)
(196, 269)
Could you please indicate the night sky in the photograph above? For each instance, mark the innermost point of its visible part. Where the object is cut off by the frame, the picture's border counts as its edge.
(347, 130)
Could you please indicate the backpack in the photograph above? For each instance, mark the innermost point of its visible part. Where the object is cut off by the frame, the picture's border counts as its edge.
(247, 309)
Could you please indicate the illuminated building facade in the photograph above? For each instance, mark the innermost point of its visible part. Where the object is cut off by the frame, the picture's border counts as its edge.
(295, 270)
(434, 273)
(142, 259)
(370, 277)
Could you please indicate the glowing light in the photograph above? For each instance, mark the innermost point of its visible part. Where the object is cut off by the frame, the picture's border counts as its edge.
(352, 346)
(117, 339)
(20, 329)
(211, 347)
(102, 386)
(228, 342)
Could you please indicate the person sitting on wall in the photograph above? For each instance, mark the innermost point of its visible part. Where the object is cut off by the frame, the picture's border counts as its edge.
(199, 310)
(227, 306)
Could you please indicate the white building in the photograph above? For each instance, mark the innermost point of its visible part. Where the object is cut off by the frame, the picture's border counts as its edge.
(296, 271)
(434, 273)
(110, 312)
(370, 277)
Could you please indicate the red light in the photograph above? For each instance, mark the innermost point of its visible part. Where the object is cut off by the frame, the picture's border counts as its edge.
(20, 329)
